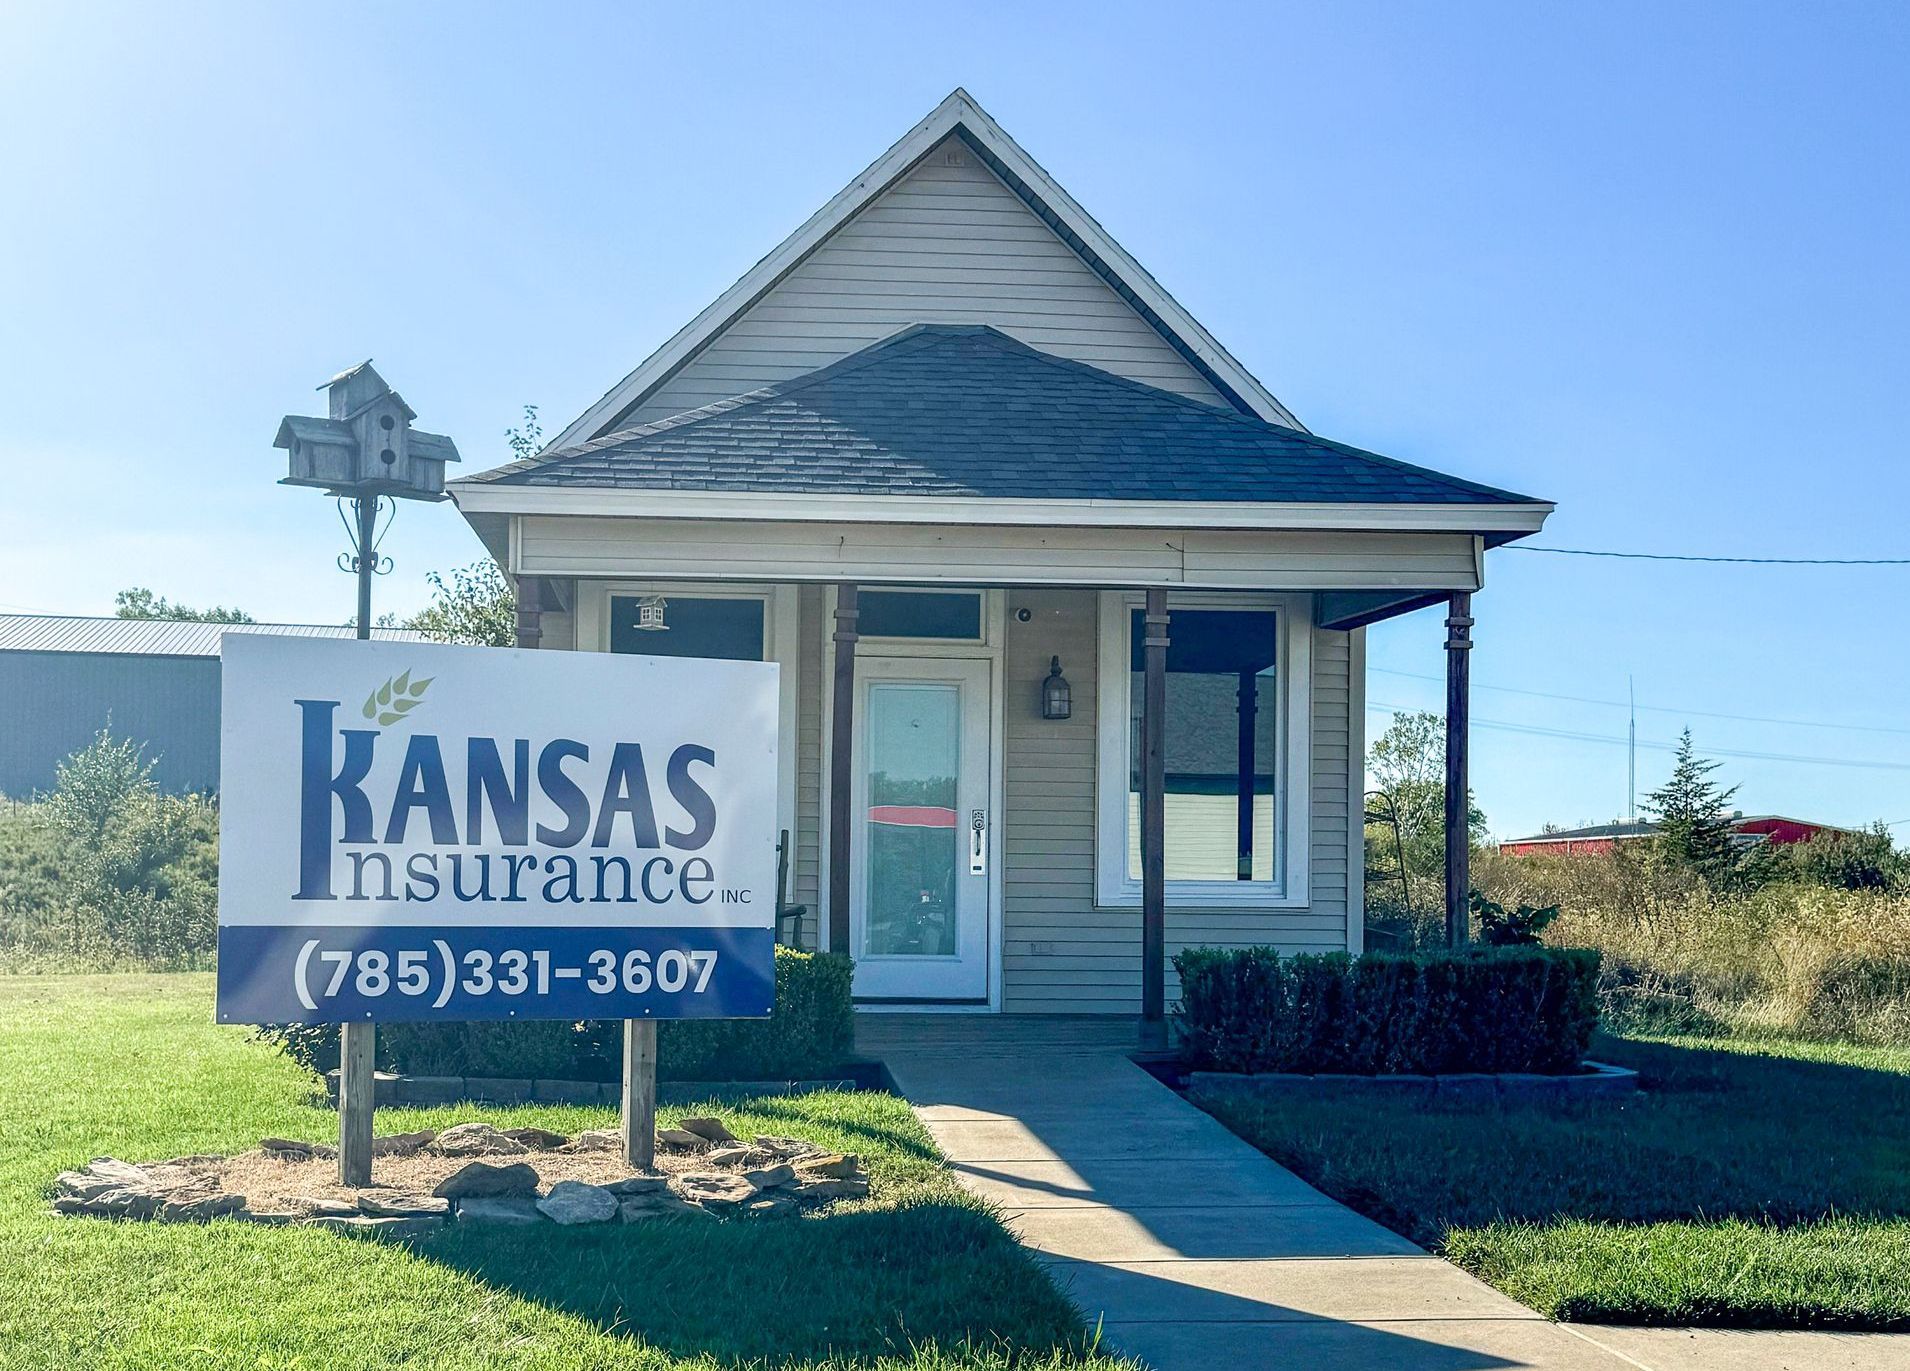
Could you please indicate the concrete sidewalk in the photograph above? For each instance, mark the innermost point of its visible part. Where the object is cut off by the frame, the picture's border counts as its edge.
(1191, 1249)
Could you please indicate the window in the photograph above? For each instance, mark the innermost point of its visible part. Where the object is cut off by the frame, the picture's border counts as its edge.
(693, 626)
(951, 616)
(1234, 736)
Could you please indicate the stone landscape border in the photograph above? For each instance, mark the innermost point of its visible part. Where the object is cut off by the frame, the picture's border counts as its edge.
(1598, 1081)
(391, 1088)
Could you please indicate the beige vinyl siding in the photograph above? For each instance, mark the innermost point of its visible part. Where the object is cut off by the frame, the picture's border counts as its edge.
(970, 554)
(945, 244)
(1062, 954)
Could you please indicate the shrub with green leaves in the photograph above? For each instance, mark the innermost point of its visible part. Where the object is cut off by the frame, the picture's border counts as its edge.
(1482, 1009)
(107, 872)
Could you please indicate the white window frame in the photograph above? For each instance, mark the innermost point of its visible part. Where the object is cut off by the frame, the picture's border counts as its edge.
(1293, 687)
(781, 639)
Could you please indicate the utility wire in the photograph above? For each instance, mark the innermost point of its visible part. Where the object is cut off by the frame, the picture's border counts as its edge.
(1536, 730)
(1655, 709)
(1683, 557)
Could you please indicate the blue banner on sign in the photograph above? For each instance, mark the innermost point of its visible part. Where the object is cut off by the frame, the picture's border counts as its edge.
(275, 973)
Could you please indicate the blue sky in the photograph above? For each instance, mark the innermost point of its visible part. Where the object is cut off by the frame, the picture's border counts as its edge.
(1647, 260)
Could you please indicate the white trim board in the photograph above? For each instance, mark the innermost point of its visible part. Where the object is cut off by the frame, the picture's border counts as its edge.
(491, 497)
(957, 112)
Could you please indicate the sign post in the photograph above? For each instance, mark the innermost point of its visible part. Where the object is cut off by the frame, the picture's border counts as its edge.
(421, 832)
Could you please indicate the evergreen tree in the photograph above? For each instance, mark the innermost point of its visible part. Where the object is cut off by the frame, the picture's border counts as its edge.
(1693, 813)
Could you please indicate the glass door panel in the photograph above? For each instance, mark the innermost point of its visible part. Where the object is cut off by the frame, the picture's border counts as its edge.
(914, 774)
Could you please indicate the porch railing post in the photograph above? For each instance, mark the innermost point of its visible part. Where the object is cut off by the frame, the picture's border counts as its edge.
(1458, 784)
(841, 740)
(1153, 822)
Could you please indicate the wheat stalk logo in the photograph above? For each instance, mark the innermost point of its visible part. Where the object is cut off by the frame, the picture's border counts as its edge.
(396, 698)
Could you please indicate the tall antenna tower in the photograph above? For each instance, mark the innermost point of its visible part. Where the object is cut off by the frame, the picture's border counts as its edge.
(1631, 754)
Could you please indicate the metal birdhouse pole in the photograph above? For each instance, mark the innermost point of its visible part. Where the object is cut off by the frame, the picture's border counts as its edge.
(364, 451)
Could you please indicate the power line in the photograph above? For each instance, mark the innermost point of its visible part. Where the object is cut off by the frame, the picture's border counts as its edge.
(1655, 709)
(1537, 730)
(1686, 557)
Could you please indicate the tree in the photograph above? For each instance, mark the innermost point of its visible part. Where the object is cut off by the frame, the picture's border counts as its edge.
(1694, 822)
(137, 602)
(477, 607)
(1408, 761)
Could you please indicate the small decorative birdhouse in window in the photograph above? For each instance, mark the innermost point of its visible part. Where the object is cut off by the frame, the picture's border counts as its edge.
(650, 614)
(1057, 696)
(366, 445)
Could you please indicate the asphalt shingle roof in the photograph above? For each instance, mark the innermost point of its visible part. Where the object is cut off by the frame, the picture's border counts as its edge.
(965, 410)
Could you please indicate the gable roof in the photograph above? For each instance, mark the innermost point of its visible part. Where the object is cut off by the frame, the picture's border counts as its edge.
(942, 410)
(957, 115)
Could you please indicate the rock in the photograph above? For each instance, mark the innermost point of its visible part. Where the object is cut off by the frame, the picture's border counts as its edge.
(538, 1139)
(818, 1191)
(104, 1174)
(126, 1204)
(482, 1178)
(202, 1208)
(837, 1166)
(772, 1203)
(657, 1205)
(734, 1155)
(713, 1187)
(289, 1150)
(84, 1185)
(318, 1204)
(499, 1209)
(677, 1139)
(711, 1130)
(366, 1225)
(403, 1144)
(637, 1185)
(574, 1202)
(475, 1140)
(403, 1206)
(787, 1148)
(597, 1140)
(769, 1177)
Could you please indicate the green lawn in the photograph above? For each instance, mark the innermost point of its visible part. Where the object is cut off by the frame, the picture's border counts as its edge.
(1762, 1185)
(919, 1275)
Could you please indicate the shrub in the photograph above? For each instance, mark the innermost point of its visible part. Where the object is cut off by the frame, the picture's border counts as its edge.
(1483, 1009)
(108, 872)
(810, 1034)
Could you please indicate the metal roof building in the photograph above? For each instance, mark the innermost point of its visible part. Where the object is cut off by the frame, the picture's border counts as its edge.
(65, 677)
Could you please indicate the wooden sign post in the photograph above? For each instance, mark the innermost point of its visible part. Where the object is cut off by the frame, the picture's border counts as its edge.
(640, 1093)
(356, 1085)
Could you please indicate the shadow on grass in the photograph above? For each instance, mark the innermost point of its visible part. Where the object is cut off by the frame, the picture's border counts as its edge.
(1713, 1134)
(854, 1283)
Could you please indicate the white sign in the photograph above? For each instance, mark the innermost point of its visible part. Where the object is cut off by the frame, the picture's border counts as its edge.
(413, 831)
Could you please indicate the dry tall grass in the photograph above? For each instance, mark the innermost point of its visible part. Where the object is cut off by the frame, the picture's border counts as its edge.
(1788, 959)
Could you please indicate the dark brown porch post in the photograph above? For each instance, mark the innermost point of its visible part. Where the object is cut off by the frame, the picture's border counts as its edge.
(841, 740)
(530, 612)
(1153, 823)
(1458, 785)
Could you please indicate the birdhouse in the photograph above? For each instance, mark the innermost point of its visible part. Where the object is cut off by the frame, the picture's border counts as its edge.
(366, 445)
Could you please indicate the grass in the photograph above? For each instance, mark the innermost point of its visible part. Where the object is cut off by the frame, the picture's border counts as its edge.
(1756, 1184)
(918, 1276)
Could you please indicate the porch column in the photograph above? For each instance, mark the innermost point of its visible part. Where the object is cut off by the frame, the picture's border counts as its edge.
(841, 742)
(530, 612)
(1153, 822)
(1458, 785)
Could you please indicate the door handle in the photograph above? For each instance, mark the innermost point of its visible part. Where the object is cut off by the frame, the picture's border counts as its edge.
(978, 842)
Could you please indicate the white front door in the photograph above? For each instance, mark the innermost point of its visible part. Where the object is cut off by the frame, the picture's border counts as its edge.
(919, 916)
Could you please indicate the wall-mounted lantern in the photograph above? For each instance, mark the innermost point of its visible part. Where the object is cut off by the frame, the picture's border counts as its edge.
(1057, 696)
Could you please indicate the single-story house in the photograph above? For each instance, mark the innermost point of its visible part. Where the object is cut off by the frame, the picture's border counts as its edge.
(1070, 608)
(155, 681)
(1746, 829)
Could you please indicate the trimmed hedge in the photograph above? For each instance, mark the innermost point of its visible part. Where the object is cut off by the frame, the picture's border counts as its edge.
(1487, 1009)
(811, 1034)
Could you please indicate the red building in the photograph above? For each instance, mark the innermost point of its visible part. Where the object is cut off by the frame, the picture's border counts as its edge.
(1746, 828)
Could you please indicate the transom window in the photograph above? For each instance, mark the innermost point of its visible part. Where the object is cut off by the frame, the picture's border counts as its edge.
(953, 616)
(1235, 750)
